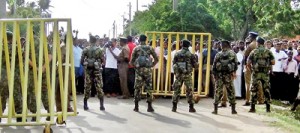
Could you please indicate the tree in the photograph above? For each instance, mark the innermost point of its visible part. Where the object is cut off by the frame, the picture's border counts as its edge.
(191, 16)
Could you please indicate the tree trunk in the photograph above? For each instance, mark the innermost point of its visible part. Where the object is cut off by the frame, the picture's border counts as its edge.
(2, 9)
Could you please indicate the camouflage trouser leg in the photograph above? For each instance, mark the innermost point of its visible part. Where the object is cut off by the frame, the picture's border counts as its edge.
(189, 89)
(264, 78)
(4, 97)
(87, 84)
(140, 80)
(18, 96)
(177, 90)
(45, 98)
(99, 84)
(31, 99)
(220, 83)
(230, 92)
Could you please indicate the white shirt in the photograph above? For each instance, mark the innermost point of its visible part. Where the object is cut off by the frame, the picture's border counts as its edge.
(295, 53)
(157, 51)
(278, 67)
(290, 67)
(172, 58)
(77, 51)
(111, 62)
(240, 58)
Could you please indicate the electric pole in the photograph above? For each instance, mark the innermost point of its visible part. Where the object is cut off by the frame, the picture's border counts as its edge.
(137, 5)
(114, 29)
(129, 18)
(175, 4)
(123, 16)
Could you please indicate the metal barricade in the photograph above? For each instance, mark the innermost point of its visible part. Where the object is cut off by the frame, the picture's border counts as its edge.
(162, 74)
(17, 56)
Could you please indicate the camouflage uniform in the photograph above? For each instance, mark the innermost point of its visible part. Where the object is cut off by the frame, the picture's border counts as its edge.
(259, 73)
(31, 85)
(92, 58)
(143, 75)
(187, 57)
(224, 78)
(4, 89)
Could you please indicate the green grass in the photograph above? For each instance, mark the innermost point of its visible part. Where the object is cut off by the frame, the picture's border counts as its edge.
(283, 117)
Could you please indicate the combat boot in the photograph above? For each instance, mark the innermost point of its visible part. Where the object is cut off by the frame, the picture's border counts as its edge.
(101, 104)
(295, 105)
(85, 105)
(192, 109)
(215, 109)
(252, 109)
(233, 111)
(174, 108)
(136, 106)
(150, 108)
(268, 108)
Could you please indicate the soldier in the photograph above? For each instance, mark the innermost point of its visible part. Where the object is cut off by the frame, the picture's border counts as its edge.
(4, 89)
(224, 70)
(92, 59)
(260, 61)
(31, 86)
(183, 64)
(63, 48)
(123, 60)
(251, 39)
(143, 64)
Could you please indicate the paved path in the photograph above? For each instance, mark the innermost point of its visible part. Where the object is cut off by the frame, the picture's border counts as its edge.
(119, 118)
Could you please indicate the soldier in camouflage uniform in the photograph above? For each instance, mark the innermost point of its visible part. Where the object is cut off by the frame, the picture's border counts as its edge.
(143, 64)
(183, 64)
(224, 68)
(260, 61)
(4, 89)
(92, 59)
(31, 85)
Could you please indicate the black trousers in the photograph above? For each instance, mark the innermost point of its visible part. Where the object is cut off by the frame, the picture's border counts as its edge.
(277, 81)
(111, 81)
(131, 80)
(291, 88)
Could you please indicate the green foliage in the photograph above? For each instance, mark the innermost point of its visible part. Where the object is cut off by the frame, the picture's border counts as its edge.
(28, 10)
(191, 16)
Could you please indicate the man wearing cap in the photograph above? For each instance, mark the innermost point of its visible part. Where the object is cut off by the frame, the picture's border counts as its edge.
(183, 64)
(92, 59)
(123, 60)
(224, 71)
(251, 38)
(4, 88)
(260, 61)
(143, 71)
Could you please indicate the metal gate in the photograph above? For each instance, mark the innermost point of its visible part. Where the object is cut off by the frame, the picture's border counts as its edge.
(17, 56)
(162, 74)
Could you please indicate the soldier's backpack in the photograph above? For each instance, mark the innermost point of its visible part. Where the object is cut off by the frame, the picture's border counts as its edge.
(226, 65)
(143, 59)
(91, 56)
(182, 63)
(261, 62)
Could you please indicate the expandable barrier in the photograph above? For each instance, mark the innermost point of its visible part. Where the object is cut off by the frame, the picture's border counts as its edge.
(17, 56)
(162, 72)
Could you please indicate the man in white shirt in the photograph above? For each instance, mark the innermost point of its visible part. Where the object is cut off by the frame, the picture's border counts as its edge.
(290, 68)
(277, 72)
(111, 74)
(238, 81)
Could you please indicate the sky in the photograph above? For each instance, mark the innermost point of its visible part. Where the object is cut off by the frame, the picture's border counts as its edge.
(95, 16)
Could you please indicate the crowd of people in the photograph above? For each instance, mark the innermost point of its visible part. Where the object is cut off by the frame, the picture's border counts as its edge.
(122, 67)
